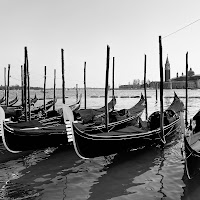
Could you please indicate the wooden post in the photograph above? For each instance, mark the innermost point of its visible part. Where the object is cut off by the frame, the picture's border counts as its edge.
(25, 84)
(28, 83)
(5, 84)
(156, 91)
(54, 89)
(186, 89)
(162, 136)
(145, 89)
(106, 88)
(22, 85)
(63, 75)
(76, 92)
(85, 83)
(113, 83)
(8, 84)
(45, 75)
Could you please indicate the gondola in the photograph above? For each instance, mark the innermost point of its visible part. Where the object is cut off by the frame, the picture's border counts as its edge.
(11, 110)
(14, 113)
(89, 145)
(34, 100)
(34, 134)
(191, 153)
(2, 100)
(10, 103)
(118, 119)
(191, 147)
(59, 113)
(89, 115)
(36, 112)
(41, 108)
(14, 101)
(76, 106)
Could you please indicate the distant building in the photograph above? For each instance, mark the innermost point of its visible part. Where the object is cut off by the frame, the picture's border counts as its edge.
(179, 82)
(167, 70)
(129, 87)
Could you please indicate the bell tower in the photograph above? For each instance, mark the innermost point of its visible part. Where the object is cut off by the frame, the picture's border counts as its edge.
(167, 70)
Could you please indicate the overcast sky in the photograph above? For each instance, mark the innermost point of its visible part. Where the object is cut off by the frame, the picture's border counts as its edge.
(83, 28)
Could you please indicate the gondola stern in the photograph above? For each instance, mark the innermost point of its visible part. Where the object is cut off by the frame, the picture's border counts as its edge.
(2, 131)
(69, 119)
(2, 118)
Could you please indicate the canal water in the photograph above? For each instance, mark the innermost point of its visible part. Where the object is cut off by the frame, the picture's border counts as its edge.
(59, 174)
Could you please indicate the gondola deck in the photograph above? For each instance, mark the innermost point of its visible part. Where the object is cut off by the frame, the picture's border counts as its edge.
(90, 142)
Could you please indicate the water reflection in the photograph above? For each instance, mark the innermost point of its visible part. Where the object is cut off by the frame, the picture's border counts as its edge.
(14, 170)
(192, 188)
(121, 174)
(60, 174)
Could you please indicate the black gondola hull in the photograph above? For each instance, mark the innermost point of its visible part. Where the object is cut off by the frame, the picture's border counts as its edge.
(23, 140)
(192, 157)
(94, 145)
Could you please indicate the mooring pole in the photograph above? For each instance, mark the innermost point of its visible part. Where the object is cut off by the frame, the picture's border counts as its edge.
(28, 84)
(156, 91)
(106, 88)
(113, 83)
(5, 94)
(76, 92)
(186, 89)
(54, 89)
(45, 77)
(63, 75)
(8, 85)
(22, 85)
(85, 83)
(162, 136)
(25, 83)
(145, 88)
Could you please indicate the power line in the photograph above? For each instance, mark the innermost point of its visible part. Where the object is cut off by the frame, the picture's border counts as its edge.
(180, 29)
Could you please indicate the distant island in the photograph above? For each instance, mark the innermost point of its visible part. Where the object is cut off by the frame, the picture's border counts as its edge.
(17, 87)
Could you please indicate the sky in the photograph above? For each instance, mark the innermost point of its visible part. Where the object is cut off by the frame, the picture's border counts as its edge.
(84, 28)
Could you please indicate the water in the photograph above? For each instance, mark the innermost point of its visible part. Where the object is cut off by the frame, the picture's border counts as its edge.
(59, 174)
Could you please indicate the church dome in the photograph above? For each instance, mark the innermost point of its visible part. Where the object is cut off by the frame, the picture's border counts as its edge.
(190, 72)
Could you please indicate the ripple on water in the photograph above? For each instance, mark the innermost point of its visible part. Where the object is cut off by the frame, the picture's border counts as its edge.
(49, 175)
(11, 171)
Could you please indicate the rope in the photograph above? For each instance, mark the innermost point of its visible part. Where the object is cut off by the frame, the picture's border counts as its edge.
(180, 29)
